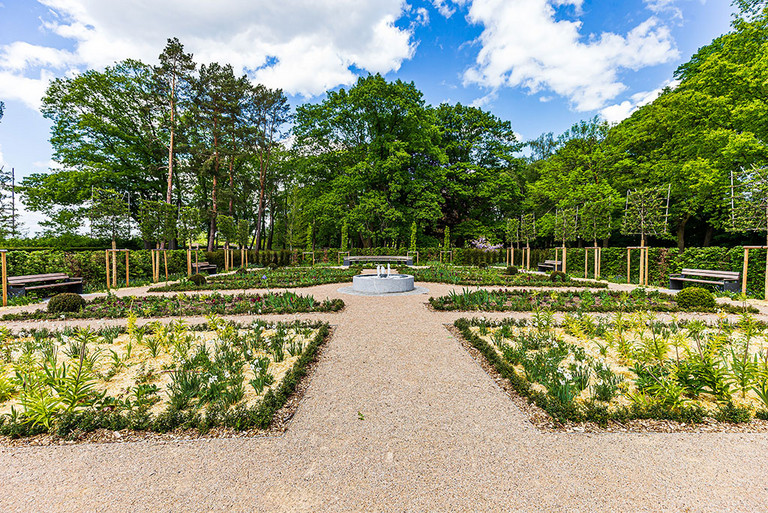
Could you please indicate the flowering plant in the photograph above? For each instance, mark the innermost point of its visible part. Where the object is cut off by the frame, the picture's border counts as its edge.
(483, 244)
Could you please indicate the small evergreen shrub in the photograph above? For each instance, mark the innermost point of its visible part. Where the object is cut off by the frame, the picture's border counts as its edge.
(241, 270)
(511, 271)
(66, 302)
(198, 279)
(558, 276)
(695, 298)
(483, 265)
(272, 266)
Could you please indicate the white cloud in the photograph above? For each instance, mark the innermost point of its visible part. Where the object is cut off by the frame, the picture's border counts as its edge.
(524, 46)
(303, 46)
(620, 111)
(444, 7)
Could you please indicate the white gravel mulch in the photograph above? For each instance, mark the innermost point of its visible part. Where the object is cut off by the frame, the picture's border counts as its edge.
(437, 434)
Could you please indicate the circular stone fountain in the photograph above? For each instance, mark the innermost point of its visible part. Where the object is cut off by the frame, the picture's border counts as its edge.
(382, 284)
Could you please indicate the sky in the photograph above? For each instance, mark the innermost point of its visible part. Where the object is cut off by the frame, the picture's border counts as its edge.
(543, 65)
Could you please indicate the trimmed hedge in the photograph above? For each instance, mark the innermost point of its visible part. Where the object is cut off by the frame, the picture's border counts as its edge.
(663, 261)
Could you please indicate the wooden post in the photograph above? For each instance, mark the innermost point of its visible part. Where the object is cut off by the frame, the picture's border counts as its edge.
(127, 269)
(528, 257)
(565, 256)
(106, 263)
(165, 259)
(765, 291)
(647, 252)
(744, 272)
(4, 276)
(599, 263)
(189, 262)
(629, 262)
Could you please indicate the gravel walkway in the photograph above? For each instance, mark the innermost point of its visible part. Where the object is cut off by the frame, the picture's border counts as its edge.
(437, 434)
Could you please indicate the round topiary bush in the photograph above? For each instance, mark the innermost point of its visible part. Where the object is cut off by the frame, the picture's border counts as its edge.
(558, 276)
(66, 302)
(240, 270)
(272, 266)
(198, 279)
(511, 271)
(694, 298)
(483, 265)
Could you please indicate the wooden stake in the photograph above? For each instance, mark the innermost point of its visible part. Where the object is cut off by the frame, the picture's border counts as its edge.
(4, 278)
(563, 267)
(599, 263)
(106, 262)
(744, 272)
(165, 259)
(127, 269)
(114, 264)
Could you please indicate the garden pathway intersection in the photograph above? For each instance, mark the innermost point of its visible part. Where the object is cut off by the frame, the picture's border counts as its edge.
(398, 417)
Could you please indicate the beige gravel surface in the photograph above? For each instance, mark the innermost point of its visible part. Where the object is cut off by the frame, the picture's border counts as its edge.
(437, 435)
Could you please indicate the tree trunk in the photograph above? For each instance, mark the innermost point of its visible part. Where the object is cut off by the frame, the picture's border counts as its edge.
(708, 236)
(262, 186)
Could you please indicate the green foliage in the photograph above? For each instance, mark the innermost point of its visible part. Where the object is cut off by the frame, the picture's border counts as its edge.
(691, 298)
(310, 241)
(511, 271)
(447, 238)
(414, 233)
(65, 302)
(243, 232)
(558, 276)
(645, 212)
(109, 214)
(198, 279)
(226, 227)
(345, 236)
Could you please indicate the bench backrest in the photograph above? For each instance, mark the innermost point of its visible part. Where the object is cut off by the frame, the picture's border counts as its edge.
(37, 278)
(728, 275)
(556, 262)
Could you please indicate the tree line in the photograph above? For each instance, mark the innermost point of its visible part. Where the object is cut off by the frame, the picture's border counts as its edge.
(378, 164)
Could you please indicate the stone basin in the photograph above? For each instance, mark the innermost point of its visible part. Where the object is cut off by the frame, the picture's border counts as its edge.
(375, 284)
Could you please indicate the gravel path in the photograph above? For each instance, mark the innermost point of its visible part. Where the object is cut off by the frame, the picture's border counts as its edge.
(437, 435)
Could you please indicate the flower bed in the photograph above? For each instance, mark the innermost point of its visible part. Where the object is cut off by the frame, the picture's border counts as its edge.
(189, 305)
(488, 277)
(153, 378)
(581, 301)
(266, 278)
(631, 368)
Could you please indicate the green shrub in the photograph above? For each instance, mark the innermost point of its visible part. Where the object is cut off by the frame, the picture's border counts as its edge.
(483, 265)
(511, 271)
(198, 279)
(66, 302)
(695, 298)
(241, 270)
(272, 266)
(558, 276)
(733, 414)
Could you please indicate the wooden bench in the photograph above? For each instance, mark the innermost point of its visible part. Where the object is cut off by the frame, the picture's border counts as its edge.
(200, 267)
(728, 280)
(20, 285)
(550, 265)
(407, 260)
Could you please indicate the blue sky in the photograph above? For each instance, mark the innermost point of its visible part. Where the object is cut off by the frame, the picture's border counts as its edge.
(541, 64)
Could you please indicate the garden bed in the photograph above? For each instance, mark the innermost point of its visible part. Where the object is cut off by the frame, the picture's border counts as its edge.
(493, 276)
(570, 301)
(156, 378)
(110, 307)
(266, 279)
(632, 373)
